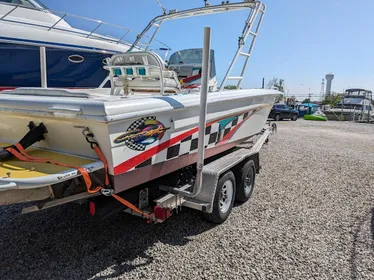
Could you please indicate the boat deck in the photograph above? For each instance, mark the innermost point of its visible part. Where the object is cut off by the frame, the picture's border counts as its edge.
(22, 170)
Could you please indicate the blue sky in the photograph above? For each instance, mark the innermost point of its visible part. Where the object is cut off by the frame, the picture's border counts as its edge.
(299, 41)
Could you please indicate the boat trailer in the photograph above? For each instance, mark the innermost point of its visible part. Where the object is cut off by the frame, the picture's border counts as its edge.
(237, 167)
(220, 180)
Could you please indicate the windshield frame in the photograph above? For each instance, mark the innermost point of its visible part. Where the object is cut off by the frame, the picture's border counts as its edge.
(182, 57)
(32, 4)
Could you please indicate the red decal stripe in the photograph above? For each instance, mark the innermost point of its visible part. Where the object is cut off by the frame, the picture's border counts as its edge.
(228, 136)
(6, 88)
(132, 162)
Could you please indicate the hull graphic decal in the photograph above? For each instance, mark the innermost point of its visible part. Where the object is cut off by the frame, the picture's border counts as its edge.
(217, 132)
(142, 133)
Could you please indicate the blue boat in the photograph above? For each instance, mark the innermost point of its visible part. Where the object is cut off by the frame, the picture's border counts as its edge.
(74, 57)
(306, 109)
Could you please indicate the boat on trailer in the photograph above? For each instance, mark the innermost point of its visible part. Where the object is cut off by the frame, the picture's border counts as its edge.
(64, 145)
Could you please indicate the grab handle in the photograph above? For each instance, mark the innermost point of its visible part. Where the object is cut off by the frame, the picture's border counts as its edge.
(77, 111)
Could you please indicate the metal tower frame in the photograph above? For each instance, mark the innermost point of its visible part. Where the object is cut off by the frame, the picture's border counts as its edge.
(259, 8)
(322, 92)
(251, 28)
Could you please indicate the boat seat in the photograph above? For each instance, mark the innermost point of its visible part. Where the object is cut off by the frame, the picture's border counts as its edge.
(148, 85)
(141, 72)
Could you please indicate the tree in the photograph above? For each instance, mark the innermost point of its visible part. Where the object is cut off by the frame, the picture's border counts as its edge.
(230, 87)
(291, 101)
(332, 99)
(281, 85)
(276, 83)
(307, 100)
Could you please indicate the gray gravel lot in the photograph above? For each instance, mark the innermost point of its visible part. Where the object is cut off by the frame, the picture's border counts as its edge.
(311, 217)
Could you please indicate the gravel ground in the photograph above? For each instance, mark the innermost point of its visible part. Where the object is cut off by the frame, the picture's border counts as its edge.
(311, 217)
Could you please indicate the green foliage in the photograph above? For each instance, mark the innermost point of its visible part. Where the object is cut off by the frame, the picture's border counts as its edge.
(332, 99)
(277, 83)
(230, 87)
(307, 100)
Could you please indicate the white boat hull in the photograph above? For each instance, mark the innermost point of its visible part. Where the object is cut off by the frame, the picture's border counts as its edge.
(119, 123)
(347, 115)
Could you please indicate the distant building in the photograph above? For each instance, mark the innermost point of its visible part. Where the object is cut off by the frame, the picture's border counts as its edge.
(329, 77)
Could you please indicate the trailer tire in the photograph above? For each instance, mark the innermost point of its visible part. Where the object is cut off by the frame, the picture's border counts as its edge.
(223, 199)
(247, 176)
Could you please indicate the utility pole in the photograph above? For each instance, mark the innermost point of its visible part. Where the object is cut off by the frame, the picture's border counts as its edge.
(322, 92)
(309, 96)
(310, 101)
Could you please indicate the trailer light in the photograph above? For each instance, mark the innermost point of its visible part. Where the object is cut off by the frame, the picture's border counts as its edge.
(161, 213)
(92, 208)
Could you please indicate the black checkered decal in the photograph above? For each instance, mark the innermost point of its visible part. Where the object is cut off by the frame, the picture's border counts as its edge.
(145, 163)
(187, 139)
(227, 130)
(139, 122)
(212, 138)
(235, 122)
(188, 145)
(173, 151)
(194, 144)
(130, 143)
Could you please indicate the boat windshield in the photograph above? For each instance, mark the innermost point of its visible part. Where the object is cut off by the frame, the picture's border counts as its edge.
(190, 56)
(357, 101)
(26, 3)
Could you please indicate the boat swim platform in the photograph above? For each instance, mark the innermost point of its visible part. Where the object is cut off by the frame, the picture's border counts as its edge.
(16, 174)
(22, 169)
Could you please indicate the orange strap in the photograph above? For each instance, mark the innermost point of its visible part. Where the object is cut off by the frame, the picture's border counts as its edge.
(101, 156)
(129, 205)
(23, 152)
(23, 156)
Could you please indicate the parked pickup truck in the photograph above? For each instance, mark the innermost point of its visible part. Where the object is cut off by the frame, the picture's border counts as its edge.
(283, 111)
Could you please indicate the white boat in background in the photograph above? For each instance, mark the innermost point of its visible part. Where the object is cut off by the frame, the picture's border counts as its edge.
(146, 124)
(75, 57)
(356, 105)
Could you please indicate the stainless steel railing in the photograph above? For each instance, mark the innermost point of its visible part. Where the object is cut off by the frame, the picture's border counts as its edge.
(120, 31)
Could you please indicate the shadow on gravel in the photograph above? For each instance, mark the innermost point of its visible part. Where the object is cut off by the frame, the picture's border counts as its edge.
(357, 228)
(65, 243)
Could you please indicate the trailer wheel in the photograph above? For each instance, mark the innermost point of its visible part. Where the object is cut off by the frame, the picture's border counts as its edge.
(223, 199)
(246, 182)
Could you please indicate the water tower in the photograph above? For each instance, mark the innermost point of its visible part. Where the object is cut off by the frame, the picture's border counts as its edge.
(329, 78)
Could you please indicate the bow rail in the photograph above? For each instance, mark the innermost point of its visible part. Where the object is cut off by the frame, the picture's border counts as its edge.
(117, 33)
